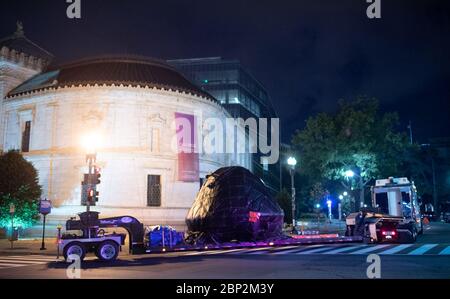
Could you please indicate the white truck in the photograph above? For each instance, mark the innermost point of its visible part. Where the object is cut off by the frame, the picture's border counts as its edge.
(394, 215)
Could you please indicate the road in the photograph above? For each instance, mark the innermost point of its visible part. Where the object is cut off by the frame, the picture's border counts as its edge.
(428, 258)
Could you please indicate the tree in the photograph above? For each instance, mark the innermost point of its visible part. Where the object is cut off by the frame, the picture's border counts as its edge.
(18, 185)
(358, 138)
(284, 200)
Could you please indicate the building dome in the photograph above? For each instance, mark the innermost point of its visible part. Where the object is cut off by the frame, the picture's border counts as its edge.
(130, 70)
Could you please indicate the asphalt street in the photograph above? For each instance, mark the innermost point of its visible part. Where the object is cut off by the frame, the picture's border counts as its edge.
(429, 257)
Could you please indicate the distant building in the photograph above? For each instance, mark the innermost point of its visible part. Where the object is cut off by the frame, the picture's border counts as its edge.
(132, 103)
(240, 93)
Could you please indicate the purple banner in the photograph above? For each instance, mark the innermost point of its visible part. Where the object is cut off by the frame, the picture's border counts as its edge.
(188, 164)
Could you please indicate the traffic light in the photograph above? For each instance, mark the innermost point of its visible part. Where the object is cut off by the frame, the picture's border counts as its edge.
(92, 196)
(86, 179)
(96, 176)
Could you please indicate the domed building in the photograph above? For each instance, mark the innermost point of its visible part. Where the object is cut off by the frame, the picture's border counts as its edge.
(131, 104)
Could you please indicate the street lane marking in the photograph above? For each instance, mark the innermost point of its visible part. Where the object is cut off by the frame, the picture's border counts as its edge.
(343, 249)
(8, 265)
(258, 250)
(317, 250)
(446, 251)
(296, 249)
(396, 249)
(50, 259)
(21, 261)
(421, 250)
(230, 251)
(369, 249)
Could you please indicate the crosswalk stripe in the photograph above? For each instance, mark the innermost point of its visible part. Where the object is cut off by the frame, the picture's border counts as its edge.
(21, 261)
(296, 249)
(11, 265)
(396, 249)
(421, 250)
(446, 251)
(369, 249)
(225, 251)
(29, 259)
(343, 249)
(197, 252)
(317, 250)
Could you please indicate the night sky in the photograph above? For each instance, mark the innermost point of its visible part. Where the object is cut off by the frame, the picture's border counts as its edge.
(308, 54)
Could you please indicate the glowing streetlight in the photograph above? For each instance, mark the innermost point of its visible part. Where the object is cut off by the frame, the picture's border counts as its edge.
(341, 197)
(292, 161)
(345, 193)
(349, 173)
(91, 142)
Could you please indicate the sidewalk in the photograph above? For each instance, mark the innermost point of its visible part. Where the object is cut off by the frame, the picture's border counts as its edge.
(28, 246)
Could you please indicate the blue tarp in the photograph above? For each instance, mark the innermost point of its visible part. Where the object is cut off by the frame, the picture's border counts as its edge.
(154, 236)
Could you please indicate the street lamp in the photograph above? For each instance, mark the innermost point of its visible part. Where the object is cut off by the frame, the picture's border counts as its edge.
(91, 142)
(292, 162)
(349, 173)
(345, 193)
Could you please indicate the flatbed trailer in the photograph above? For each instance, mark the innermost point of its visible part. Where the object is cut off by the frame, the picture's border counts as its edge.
(107, 246)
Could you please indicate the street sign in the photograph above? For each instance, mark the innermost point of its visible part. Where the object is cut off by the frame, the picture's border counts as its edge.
(45, 206)
(12, 208)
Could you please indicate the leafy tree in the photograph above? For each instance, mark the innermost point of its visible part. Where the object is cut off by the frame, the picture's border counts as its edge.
(18, 185)
(358, 138)
(284, 200)
(318, 192)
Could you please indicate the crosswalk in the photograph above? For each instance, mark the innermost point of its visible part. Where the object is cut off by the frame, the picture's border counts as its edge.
(24, 260)
(341, 249)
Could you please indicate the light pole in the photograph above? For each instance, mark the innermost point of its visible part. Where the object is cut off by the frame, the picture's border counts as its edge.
(329, 209)
(91, 142)
(292, 162)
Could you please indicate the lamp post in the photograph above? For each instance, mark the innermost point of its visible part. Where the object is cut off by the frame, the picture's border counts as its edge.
(292, 162)
(91, 142)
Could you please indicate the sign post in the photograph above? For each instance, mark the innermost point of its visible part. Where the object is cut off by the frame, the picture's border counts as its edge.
(45, 207)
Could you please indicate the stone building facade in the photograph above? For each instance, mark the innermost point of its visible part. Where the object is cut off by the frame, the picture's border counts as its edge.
(131, 103)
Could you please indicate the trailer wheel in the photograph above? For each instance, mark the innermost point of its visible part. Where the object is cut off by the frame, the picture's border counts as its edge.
(107, 251)
(76, 248)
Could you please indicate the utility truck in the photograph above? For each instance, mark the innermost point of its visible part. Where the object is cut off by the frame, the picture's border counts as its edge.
(394, 215)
